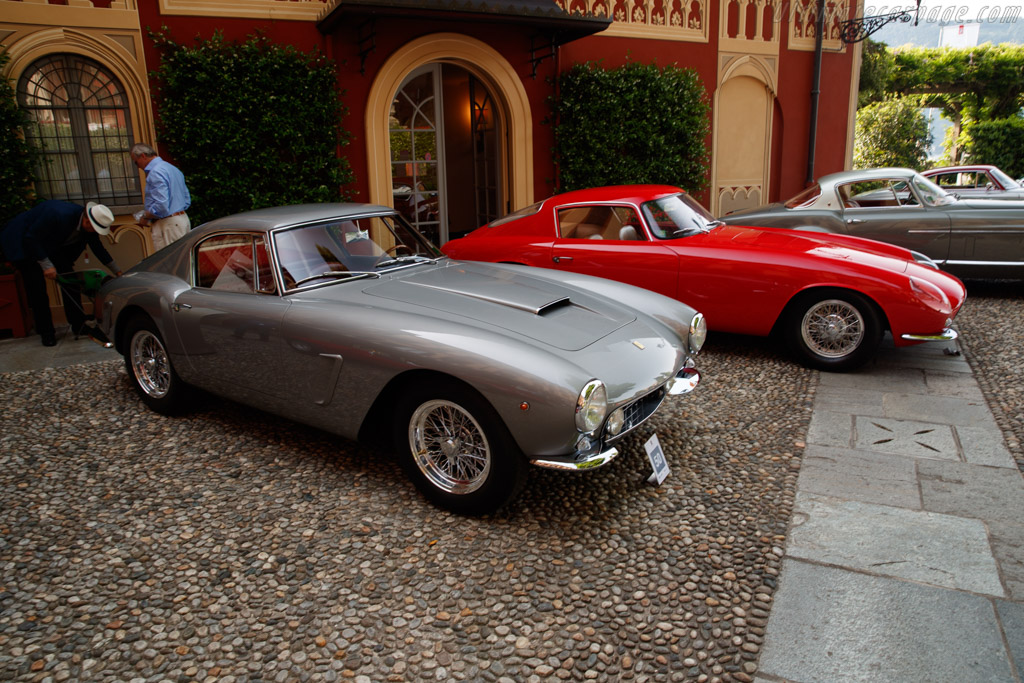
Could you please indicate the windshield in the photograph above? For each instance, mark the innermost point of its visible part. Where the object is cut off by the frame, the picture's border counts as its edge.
(346, 248)
(930, 193)
(677, 215)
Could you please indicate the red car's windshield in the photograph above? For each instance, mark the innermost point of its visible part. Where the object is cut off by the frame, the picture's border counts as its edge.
(677, 215)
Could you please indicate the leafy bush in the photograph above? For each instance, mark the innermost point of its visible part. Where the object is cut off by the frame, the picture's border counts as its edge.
(251, 125)
(999, 143)
(891, 133)
(633, 124)
(17, 157)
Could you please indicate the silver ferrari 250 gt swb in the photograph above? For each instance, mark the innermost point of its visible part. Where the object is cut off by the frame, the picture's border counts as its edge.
(343, 317)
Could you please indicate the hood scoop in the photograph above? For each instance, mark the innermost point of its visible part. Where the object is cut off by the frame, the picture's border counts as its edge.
(510, 299)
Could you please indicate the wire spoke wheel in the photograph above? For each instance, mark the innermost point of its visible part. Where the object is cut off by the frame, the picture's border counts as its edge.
(450, 447)
(150, 364)
(833, 328)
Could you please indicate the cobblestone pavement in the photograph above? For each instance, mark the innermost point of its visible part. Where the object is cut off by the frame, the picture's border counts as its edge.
(230, 545)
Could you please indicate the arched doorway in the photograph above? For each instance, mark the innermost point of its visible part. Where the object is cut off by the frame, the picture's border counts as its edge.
(744, 103)
(467, 98)
(443, 133)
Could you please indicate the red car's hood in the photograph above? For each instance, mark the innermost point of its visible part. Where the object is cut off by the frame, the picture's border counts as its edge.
(738, 239)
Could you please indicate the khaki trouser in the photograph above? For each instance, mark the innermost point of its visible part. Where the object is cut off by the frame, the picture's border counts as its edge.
(167, 230)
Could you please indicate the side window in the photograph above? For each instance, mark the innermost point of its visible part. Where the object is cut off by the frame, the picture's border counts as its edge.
(627, 225)
(225, 263)
(599, 223)
(81, 124)
(264, 271)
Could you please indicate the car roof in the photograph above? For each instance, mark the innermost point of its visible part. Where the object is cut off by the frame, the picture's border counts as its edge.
(281, 216)
(866, 174)
(947, 169)
(621, 193)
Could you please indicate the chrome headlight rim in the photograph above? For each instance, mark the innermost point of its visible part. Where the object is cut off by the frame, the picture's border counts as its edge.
(698, 333)
(591, 406)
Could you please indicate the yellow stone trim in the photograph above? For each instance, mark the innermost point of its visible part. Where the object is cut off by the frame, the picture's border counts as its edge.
(284, 10)
(121, 16)
(483, 62)
(807, 11)
(765, 71)
(640, 22)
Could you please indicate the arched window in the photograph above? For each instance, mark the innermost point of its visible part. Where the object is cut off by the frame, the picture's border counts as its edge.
(81, 123)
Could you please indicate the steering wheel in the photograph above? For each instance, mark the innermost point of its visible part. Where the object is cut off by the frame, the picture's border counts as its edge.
(393, 251)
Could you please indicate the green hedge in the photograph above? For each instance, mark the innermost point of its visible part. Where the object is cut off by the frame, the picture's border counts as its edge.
(251, 124)
(999, 143)
(633, 124)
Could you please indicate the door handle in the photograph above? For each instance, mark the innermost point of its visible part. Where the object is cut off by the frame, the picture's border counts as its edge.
(854, 221)
(178, 307)
(559, 259)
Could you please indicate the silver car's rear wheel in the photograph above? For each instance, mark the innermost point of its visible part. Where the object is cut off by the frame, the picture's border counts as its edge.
(833, 329)
(449, 447)
(456, 448)
(150, 367)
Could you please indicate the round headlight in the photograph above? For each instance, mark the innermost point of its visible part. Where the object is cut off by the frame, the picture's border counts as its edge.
(698, 333)
(591, 406)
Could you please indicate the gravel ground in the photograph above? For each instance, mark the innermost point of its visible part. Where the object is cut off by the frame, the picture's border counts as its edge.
(991, 324)
(230, 545)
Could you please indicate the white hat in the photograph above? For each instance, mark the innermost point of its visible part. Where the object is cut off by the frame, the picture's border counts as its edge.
(100, 216)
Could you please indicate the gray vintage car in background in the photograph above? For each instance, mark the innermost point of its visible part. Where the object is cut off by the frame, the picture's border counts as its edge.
(971, 238)
(977, 181)
(343, 317)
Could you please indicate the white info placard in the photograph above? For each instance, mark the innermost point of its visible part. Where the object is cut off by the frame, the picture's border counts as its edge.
(657, 458)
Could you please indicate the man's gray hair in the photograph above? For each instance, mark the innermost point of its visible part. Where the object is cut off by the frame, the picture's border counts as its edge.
(141, 149)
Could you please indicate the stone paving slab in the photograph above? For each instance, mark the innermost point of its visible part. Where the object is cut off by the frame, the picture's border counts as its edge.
(992, 494)
(839, 626)
(947, 410)
(860, 475)
(943, 550)
(983, 444)
(1012, 617)
(830, 428)
(906, 437)
(1008, 548)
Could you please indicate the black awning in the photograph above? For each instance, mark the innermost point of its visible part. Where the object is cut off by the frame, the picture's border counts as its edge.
(538, 14)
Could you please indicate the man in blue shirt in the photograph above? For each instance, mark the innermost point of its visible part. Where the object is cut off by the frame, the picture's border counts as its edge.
(46, 241)
(167, 197)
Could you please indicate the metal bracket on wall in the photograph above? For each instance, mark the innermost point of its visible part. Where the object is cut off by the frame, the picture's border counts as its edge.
(367, 42)
(856, 30)
(543, 44)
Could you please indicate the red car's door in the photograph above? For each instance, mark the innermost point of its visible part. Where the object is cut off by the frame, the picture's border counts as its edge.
(609, 241)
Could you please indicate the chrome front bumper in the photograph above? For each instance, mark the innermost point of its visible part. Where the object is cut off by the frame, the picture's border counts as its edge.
(947, 334)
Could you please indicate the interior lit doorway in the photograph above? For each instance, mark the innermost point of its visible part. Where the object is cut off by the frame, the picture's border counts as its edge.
(445, 142)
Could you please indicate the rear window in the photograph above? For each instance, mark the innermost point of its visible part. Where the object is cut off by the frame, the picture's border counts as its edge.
(805, 198)
(525, 211)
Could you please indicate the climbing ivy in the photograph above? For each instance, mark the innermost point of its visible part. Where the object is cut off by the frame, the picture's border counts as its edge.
(17, 157)
(250, 124)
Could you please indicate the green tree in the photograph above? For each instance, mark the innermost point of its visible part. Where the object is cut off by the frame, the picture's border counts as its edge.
(999, 143)
(891, 133)
(633, 124)
(17, 157)
(971, 85)
(251, 125)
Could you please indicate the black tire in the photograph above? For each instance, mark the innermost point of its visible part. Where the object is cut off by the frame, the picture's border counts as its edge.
(456, 449)
(833, 330)
(150, 369)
